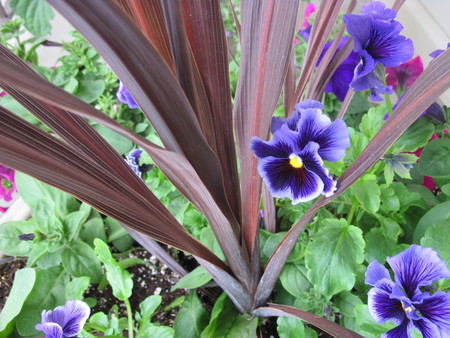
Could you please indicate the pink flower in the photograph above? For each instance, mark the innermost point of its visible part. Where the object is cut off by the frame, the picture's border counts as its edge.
(310, 8)
(7, 184)
(403, 76)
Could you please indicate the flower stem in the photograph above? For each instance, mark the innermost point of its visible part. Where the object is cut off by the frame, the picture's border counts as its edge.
(352, 213)
(388, 104)
(130, 319)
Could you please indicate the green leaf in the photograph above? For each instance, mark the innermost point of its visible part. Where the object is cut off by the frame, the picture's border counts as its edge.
(389, 228)
(90, 88)
(389, 200)
(294, 280)
(10, 243)
(365, 321)
(346, 303)
(437, 237)
(373, 248)
(290, 327)
(435, 159)
(74, 221)
(80, 260)
(120, 143)
(36, 15)
(92, 229)
(416, 136)
(372, 121)
(148, 306)
(76, 288)
(119, 237)
(367, 192)
(37, 252)
(119, 279)
(23, 284)
(154, 331)
(272, 242)
(48, 292)
(333, 255)
(191, 319)
(446, 189)
(12, 105)
(194, 279)
(440, 213)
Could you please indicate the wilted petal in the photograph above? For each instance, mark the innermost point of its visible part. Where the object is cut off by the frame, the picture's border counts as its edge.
(375, 272)
(51, 330)
(381, 306)
(436, 309)
(417, 266)
(76, 314)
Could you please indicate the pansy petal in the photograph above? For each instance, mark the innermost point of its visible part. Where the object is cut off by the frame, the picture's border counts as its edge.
(381, 307)
(76, 314)
(309, 104)
(313, 162)
(46, 316)
(365, 66)
(417, 266)
(58, 315)
(358, 26)
(51, 330)
(276, 124)
(333, 141)
(124, 96)
(426, 328)
(280, 146)
(379, 8)
(436, 308)
(375, 272)
(401, 331)
(311, 124)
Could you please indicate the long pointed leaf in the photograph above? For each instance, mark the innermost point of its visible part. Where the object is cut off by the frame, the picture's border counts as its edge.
(266, 38)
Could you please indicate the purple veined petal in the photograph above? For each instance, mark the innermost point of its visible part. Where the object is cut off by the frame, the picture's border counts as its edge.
(358, 26)
(46, 316)
(76, 314)
(333, 141)
(427, 328)
(417, 266)
(135, 154)
(309, 103)
(281, 145)
(436, 308)
(365, 66)
(276, 124)
(124, 96)
(313, 162)
(59, 315)
(372, 82)
(377, 7)
(311, 124)
(382, 307)
(402, 331)
(51, 330)
(376, 272)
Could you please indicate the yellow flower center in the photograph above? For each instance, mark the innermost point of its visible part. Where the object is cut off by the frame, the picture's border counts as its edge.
(406, 309)
(295, 161)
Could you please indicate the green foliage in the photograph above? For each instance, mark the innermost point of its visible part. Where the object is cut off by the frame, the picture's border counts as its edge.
(195, 279)
(435, 159)
(192, 318)
(436, 237)
(36, 15)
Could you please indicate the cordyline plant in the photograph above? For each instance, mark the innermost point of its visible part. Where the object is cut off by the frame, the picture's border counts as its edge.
(172, 56)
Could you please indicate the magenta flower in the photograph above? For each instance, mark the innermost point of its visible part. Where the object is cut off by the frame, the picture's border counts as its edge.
(402, 301)
(377, 41)
(7, 184)
(305, 30)
(124, 96)
(64, 321)
(402, 77)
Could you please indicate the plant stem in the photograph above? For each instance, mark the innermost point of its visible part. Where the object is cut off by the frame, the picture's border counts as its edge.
(130, 318)
(352, 213)
(388, 104)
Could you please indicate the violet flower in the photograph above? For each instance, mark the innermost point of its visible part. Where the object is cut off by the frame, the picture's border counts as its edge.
(438, 52)
(133, 161)
(305, 30)
(64, 321)
(402, 302)
(377, 41)
(124, 96)
(402, 77)
(342, 77)
(291, 163)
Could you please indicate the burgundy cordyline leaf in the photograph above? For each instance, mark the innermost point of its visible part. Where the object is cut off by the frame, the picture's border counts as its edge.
(266, 38)
(289, 85)
(323, 24)
(288, 311)
(269, 212)
(27, 148)
(148, 15)
(145, 74)
(432, 83)
(235, 17)
(208, 42)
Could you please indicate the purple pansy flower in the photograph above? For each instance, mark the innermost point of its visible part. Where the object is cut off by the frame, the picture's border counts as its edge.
(124, 96)
(377, 41)
(133, 161)
(402, 302)
(438, 52)
(64, 321)
(340, 81)
(291, 163)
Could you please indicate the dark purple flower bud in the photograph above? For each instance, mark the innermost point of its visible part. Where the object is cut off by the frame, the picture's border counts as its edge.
(67, 321)
(402, 301)
(124, 96)
(26, 237)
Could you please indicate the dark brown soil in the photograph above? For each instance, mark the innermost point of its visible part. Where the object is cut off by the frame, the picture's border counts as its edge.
(7, 271)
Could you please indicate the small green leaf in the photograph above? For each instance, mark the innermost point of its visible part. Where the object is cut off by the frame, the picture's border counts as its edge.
(94, 228)
(80, 260)
(12, 105)
(446, 189)
(373, 248)
(437, 237)
(154, 331)
(90, 88)
(120, 143)
(10, 243)
(293, 278)
(346, 303)
(333, 255)
(73, 223)
(119, 279)
(435, 159)
(76, 288)
(367, 192)
(192, 317)
(290, 327)
(37, 252)
(416, 136)
(372, 121)
(148, 306)
(37, 15)
(196, 278)
(23, 284)
(440, 213)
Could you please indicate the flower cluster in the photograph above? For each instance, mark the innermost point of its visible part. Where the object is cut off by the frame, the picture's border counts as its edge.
(64, 321)
(7, 187)
(291, 163)
(378, 42)
(402, 301)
